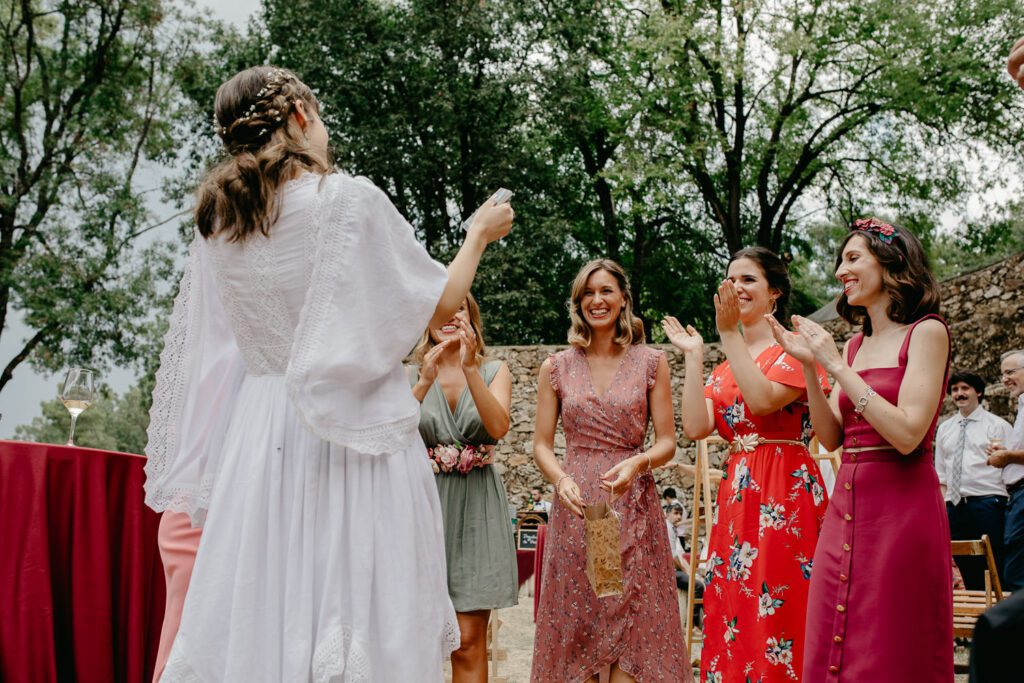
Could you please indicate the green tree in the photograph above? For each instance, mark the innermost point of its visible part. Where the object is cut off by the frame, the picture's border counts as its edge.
(88, 98)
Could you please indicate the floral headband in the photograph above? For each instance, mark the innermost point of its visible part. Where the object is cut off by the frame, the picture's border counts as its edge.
(884, 231)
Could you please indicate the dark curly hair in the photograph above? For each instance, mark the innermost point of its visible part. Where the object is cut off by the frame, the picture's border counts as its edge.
(906, 277)
(776, 272)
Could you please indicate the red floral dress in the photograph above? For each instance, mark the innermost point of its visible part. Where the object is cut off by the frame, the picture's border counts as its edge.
(770, 508)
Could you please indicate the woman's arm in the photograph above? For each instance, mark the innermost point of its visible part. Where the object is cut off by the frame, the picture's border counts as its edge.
(491, 223)
(544, 443)
(761, 395)
(697, 411)
(616, 480)
(905, 424)
(493, 402)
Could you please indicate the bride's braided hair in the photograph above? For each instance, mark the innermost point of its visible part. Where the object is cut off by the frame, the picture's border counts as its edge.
(266, 147)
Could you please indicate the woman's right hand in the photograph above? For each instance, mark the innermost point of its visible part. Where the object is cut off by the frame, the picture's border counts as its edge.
(492, 221)
(791, 342)
(569, 493)
(428, 370)
(687, 339)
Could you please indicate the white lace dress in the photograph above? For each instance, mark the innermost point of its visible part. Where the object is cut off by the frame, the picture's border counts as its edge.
(282, 421)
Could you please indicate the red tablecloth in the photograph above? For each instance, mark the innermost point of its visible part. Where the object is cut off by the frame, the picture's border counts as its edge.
(524, 560)
(81, 584)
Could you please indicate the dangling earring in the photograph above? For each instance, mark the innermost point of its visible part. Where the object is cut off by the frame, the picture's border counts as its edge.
(775, 305)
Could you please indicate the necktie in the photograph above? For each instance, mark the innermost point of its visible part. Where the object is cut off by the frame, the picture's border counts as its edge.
(958, 463)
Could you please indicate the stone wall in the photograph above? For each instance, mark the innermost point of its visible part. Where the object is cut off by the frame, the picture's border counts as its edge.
(985, 310)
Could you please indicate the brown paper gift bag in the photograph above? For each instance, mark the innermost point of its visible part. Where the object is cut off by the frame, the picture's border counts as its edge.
(604, 559)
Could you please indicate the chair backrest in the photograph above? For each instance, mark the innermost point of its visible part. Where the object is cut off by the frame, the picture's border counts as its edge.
(833, 457)
(981, 547)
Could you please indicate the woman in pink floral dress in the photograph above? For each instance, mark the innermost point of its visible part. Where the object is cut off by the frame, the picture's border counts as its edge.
(771, 502)
(604, 388)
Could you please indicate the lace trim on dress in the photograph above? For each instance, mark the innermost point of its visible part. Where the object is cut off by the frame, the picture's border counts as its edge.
(334, 237)
(338, 654)
(169, 396)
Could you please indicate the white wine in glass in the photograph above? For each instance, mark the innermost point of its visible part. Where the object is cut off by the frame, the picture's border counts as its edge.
(78, 392)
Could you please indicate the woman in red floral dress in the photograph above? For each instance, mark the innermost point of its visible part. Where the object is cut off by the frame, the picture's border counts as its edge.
(771, 501)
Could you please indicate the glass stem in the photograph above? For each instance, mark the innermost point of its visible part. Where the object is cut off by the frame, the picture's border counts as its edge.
(71, 436)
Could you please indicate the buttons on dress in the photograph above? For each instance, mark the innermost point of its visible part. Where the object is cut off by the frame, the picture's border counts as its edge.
(848, 486)
(846, 547)
(840, 609)
(834, 669)
(837, 639)
(844, 578)
(848, 517)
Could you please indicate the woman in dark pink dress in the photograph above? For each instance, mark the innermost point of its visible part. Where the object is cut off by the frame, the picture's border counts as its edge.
(604, 388)
(880, 606)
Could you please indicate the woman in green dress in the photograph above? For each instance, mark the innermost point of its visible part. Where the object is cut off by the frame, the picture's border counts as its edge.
(465, 410)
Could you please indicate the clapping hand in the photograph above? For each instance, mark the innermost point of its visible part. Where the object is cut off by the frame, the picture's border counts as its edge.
(727, 307)
(820, 342)
(685, 339)
(791, 342)
(467, 344)
(428, 370)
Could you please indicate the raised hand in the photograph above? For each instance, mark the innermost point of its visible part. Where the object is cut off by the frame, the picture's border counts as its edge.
(1015, 65)
(492, 222)
(467, 344)
(428, 370)
(686, 339)
(820, 343)
(791, 342)
(727, 307)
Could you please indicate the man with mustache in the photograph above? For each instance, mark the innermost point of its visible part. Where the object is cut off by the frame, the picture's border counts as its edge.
(974, 490)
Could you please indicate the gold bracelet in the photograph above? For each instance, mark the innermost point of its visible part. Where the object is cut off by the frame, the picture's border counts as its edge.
(559, 483)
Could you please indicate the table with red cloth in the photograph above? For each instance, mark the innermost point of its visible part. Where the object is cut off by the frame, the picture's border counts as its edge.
(81, 584)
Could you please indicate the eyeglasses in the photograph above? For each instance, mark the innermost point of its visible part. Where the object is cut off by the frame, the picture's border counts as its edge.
(1011, 372)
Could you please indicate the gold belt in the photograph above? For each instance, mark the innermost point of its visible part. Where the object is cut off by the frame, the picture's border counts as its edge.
(748, 442)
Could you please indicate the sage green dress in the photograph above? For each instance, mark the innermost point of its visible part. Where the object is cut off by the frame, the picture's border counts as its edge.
(478, 539)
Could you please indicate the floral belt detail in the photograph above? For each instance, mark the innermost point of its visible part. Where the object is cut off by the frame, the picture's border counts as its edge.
(746, 443)
(458, 458)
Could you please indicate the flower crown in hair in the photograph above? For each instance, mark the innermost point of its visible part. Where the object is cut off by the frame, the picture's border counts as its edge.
(884, 231)
(275, 78)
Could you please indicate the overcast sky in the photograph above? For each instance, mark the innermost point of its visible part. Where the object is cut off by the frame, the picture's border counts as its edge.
(21, 398)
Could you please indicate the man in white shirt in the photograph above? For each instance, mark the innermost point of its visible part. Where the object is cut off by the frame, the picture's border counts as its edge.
(974, 490)
(1009, 455)
(673, 517)
(537, 502)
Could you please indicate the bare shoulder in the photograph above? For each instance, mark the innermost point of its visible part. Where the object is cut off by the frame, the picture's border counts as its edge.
(930, 334)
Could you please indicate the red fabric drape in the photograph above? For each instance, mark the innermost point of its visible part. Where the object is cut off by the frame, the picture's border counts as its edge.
(81, 584)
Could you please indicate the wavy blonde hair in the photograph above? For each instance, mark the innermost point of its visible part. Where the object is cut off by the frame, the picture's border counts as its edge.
(628, 328)
(265, 148)
(475, 321)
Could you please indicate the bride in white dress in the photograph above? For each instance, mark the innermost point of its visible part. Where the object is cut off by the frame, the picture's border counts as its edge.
(282, 421)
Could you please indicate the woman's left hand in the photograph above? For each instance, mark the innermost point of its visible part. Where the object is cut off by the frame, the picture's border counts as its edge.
(467, 345)
(821, 344)
(616, 480)
(727, 307)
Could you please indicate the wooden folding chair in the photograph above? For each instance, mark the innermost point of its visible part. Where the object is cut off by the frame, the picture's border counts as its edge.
(834, 457)
(969, 604)
(703, 502)
(495, 653)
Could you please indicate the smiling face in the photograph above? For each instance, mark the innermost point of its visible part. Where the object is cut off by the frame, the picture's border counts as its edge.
(756, 296)
(602, 300)
(1012, 375)
(859, 272)
(965, 397)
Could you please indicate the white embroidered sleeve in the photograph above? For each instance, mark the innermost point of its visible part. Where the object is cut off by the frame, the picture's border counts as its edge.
(200, 373)
(373, 291)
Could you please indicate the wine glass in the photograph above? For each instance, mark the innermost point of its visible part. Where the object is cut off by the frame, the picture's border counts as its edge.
(78, 392)
(995, 436)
